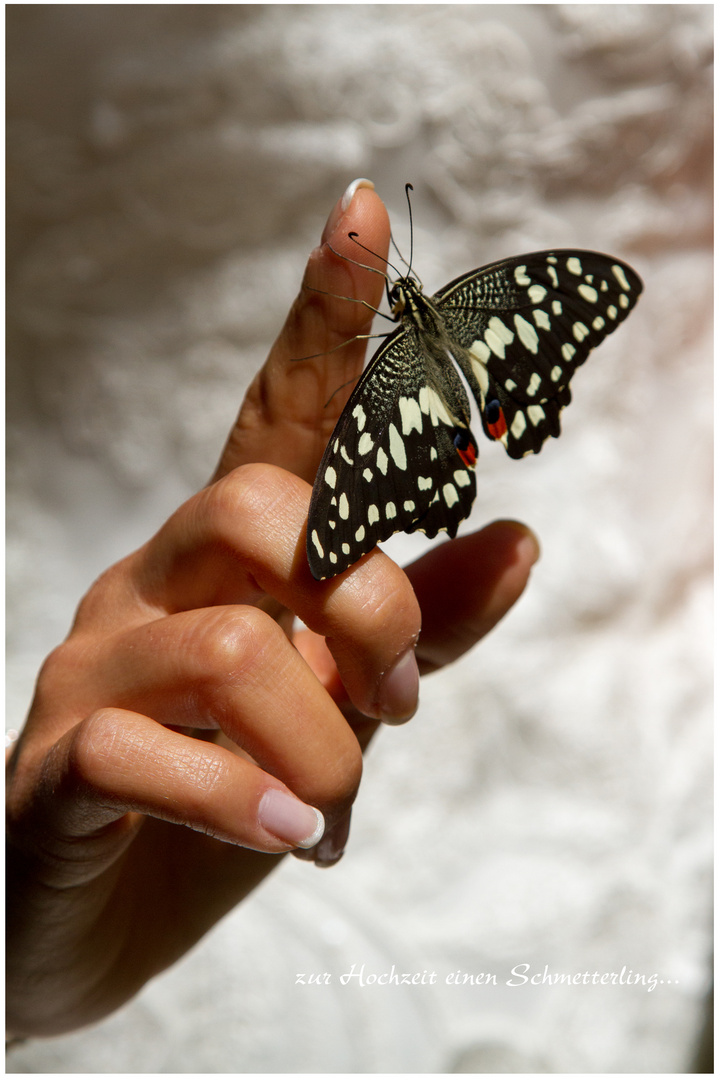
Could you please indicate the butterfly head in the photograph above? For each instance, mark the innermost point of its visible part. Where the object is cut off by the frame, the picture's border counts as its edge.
(408, 303)
(398, 297)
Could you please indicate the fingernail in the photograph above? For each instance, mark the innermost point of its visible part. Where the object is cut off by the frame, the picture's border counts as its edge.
(529, 548)
(330, 849)
(527, 545)
(290, 819)
(398, 698)
(342, 205)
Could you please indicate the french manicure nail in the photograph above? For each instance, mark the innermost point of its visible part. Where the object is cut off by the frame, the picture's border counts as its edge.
(290, 819)
(330, 849)
(398, 699)
(342, 205)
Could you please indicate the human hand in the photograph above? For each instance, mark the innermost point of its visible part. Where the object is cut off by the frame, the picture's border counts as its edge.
(182, 735)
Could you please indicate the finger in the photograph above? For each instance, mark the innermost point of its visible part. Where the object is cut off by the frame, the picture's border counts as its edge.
(286, 418)
(234, 669)
(466, 586)
(118, 763)
(244, 537)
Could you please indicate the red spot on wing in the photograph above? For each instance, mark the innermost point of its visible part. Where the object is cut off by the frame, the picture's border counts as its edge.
(468, 456)
(499, 429)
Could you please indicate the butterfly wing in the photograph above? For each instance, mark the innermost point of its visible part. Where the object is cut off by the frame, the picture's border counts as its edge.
(401, 457)
(524, 326)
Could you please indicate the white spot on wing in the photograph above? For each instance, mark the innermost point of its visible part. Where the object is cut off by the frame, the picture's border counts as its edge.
(438, 410)
(481, 351)
(580, 331)
(535, 414)
(556, 373)
(360, 533)
(365, 443)
(359, 416)
(519, 425)
(330, 476)
(344, 507)
(521, 276)
(317, 544)
(573, 265)
(397, 447)
(537, 293)
(382, 460)
(541, 319)
(497, 336)
(425, 483)
(450, 495)
(621, 277)
(568, 351)
(588, 293)
(410, 415)
(534, 383)
(526, 333)
(390, 510)
(373, 515)
(461, 477)
(479, 354)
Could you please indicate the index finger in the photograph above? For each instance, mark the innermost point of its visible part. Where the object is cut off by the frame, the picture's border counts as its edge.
(286, 418)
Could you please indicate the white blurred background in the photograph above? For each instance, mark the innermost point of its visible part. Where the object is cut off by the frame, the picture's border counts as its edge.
(170, 167)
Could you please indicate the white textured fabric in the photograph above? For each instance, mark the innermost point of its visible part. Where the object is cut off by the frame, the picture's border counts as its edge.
(170, 166)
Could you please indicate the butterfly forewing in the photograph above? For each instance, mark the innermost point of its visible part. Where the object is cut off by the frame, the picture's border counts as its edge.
(402, 455)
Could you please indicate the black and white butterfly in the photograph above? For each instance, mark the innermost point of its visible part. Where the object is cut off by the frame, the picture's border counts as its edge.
(402, 455)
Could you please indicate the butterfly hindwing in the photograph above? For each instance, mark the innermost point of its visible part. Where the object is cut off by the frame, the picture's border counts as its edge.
(401, 458)
(524, 326)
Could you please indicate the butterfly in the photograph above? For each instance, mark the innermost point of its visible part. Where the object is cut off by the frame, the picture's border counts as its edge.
(402, 456)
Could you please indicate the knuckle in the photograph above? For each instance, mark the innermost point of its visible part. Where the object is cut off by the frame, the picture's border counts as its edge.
(58, 675)
(108, 593)
(249, 492)
(96, 747)
(390, 608)
(234, 643)
(335, 790)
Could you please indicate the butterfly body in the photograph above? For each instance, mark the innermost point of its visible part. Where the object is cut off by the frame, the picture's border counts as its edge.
(402, 456)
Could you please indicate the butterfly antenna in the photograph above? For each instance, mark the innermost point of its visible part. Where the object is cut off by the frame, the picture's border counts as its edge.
(355, 262)
(354, 237)
(399, 253)
(409, 188)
